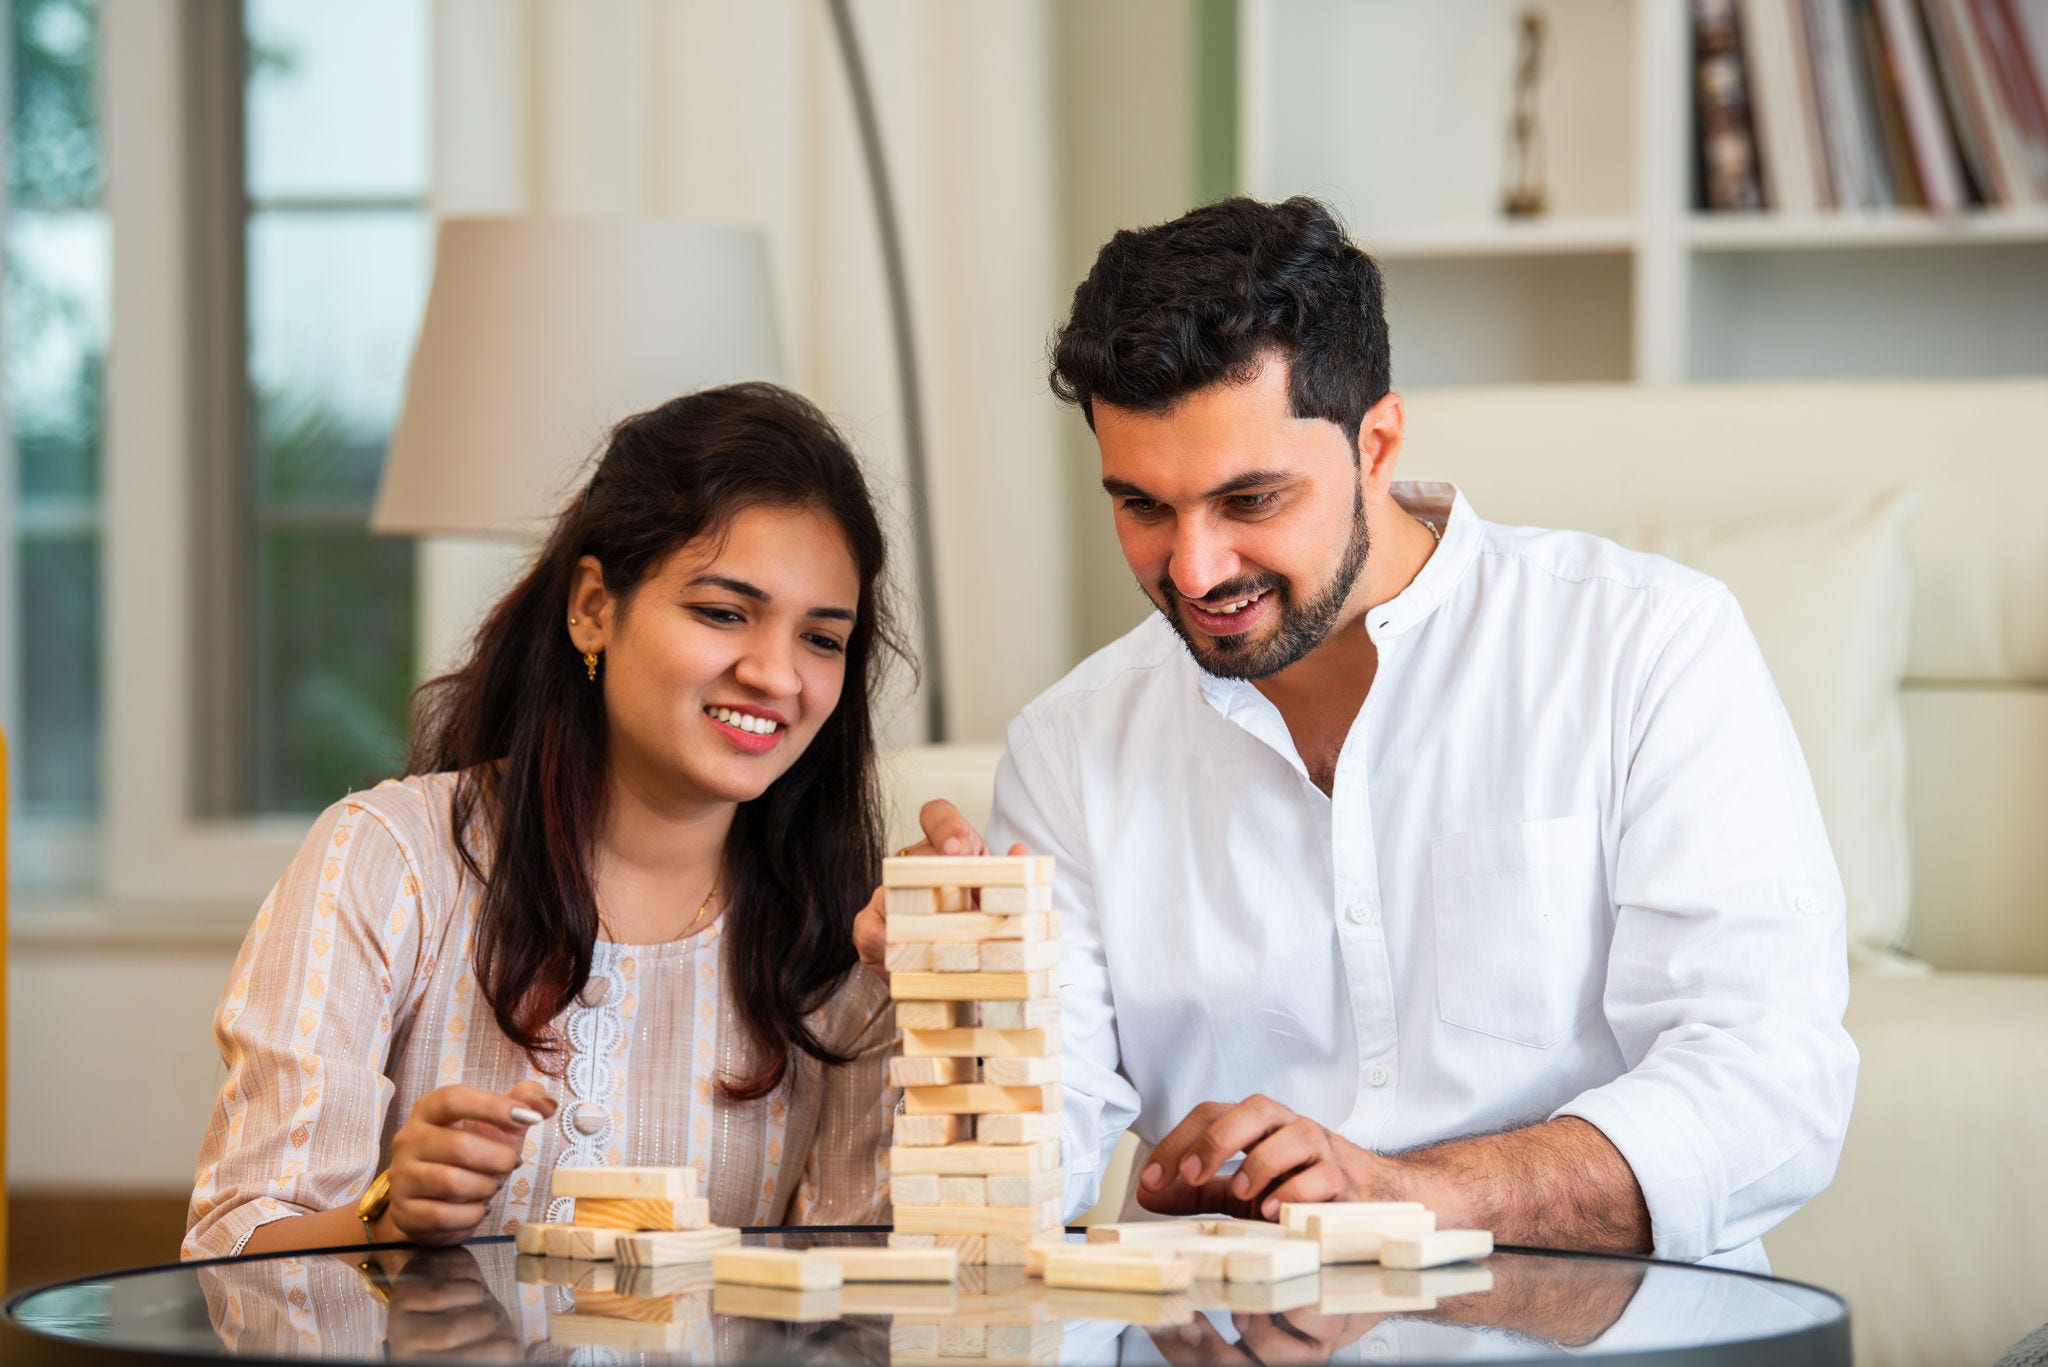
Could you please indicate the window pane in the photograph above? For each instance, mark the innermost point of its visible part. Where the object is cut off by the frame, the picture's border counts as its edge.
(57, 269)
(335, 629)
(53, 154)
(59, 651)
(337, 99)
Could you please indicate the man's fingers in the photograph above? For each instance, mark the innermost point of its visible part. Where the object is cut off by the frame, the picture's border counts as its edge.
(1181, 1198)
(1319, 1182)
(1295, 1145)
(948, 832)
(1162, 1165)
(1235, 1131)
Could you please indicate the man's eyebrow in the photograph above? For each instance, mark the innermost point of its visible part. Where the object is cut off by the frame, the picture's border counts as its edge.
(761, 595)
(1250, 479)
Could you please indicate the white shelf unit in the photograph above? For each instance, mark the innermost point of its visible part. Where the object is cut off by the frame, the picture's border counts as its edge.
(1396, 113)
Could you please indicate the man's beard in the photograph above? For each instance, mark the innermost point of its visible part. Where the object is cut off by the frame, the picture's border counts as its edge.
(1301, 626)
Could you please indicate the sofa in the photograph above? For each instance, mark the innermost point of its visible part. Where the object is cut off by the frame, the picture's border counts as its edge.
(1889, 543)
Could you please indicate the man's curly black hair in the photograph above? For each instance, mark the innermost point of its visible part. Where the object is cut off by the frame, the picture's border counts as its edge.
(1174, 308)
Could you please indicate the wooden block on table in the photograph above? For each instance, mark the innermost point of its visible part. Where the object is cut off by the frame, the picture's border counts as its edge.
(969, 871)
(1437, 1283)
(777, 1267)
(1018, 956)
(1242, 1229)
(956, 957)
(913, 1189)
(638, 1213)
(815, 1306)
(1146, 1231)
(530, 1236)
(931, 1072)
(981, 1043)
(1092, 1270)
(1294, 1214)
(963, 1191)
(979, 1098)
(665, 1248)
(914, 1131)
(1207, 1255)
(970, 987)
(657, 1184)
(908, 958)
(967, 927)
(1039, 1014)
(979, 1160)
(1362, 1243)
(1017, 901)
(588, 1242)
(1033, 1189)
(1272, 1260)
(1437, 1248)
(1021, 1128)
(1020, 1072)
(890, 1264)
(935, 1015)
(1010, 1222)
(1400, 1223)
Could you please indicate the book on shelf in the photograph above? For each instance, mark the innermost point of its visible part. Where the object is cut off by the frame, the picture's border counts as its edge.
(1804, 105)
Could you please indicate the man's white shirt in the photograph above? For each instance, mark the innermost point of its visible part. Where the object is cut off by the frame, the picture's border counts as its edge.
(1571, 864)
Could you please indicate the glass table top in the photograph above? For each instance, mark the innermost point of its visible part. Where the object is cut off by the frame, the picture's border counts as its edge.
(482, 1301)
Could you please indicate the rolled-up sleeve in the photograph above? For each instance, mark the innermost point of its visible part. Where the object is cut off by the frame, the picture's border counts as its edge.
(304, 1030)
(1727, 975)
(1034, 807)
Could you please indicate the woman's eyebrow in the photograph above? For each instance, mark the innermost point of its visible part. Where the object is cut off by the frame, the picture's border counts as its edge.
(761, 595)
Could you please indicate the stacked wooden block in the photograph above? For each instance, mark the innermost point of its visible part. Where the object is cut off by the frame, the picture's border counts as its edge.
(972, 957)
(637, 1217)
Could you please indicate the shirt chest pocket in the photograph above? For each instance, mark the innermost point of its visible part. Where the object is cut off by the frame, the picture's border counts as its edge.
(1519, 913)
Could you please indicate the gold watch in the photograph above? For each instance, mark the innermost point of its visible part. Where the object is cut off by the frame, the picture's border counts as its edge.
(374, 1203)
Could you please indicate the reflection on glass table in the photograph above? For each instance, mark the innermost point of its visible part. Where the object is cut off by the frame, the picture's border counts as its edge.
(484, 1302)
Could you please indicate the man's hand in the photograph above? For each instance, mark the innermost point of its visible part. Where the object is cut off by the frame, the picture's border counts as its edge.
(1286, 1158)
(946, 832)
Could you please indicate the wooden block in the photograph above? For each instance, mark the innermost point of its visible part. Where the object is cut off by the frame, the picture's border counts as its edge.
(1360, 1243)
(981, 1043)
(1017, 901)
(979, 1160)
(908, 902)
(970, 871)
(908, 958)
(1146, 1232)
(913, 1189)
(969, 987)
(1093, 1270)
(972, 1249)
(913, 1241)
(776, 1267)
(1032, 1128)
(931, 1072)
(587, 1242)
(1011, 1222)
(1437, 1283)
(1034, 1189)
(1039, 1014)
(1294, 1214)
(666, 1248)
(618, 1212)
(956, 957)
(529, 1237)
(577, 1329)
(1018, 956)
(657, 1184)
(912, 1131)
(1207, 1255)
(1021, 1072)
(665, 1279)
(1437, 1248)
(934, 1015)
(963, 1340)
(980, 1098)
(963, 1191)
(965, 927)
(816, 1306)
(1243, 1229)
(568, 1272)
(1273, 1260)
(1321, 1225)
(891, 1264)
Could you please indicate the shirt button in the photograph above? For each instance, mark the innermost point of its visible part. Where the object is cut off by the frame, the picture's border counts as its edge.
(1807, 903)
(1376, 1076)
(1378, 1348)
(1359, 913)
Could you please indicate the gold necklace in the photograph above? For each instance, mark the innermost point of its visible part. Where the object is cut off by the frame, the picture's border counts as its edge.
(702, 907)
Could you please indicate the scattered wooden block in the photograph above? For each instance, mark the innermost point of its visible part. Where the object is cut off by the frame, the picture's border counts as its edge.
(1014, 1015)
(979, 1160)
(956, 957)
(1437, 1283)
(586, 1242)
(655, 1184)
(931, 1072)
(634, 1213)
(1146, 1231)
(1032, 1189)
(1272, 1260)
(529, 1237)
(1362, 1243)
(979, 1098)
(777, 1267)
(1021, 1072)
(890, 1264)
(1022, 1128)
(1018, 956)
(969, 987)
(776, 1303)
(1093, 1270)
(966, 871)
(1207, 1255)
(666, 1248)
(915, 1131)
(1294, 1214)
(1242, 1229)
(963, 1191)
(934, 1015)
(1012, 1222)
(1436, 1249)
(1017, 901)
(967, 927)
(1400, 1223)
(908, 958)
(981, 1043)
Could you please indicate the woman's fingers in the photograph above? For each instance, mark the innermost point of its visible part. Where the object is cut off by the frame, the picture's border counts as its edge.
(871, 933)
(447, 1105)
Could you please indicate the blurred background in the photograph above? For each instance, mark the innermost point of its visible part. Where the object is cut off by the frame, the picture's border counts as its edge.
(219, 234)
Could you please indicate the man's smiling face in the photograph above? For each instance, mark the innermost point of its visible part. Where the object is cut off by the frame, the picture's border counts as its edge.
(1244, 524)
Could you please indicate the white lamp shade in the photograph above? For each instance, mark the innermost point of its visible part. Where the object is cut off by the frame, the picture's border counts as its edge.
(542, 333)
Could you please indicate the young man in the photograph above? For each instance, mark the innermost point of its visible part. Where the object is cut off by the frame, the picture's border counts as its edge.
(1408, 855)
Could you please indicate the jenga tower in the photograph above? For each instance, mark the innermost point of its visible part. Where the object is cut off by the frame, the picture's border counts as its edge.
(976, 1160)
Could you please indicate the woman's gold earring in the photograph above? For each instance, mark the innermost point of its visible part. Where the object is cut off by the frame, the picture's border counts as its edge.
(574, 620)
(590, 663)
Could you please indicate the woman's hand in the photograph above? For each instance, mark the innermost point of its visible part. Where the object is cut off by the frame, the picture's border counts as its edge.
(452, 1155)
(946, 832)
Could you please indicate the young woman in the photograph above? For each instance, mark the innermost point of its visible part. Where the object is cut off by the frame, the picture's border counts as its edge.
(607, 920)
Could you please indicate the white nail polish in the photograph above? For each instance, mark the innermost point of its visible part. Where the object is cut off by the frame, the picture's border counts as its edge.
(526, 1115)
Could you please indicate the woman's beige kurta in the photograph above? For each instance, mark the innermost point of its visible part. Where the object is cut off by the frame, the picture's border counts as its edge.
(354, 995)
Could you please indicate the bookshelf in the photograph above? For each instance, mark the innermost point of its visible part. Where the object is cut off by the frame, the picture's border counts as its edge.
(1396, 114)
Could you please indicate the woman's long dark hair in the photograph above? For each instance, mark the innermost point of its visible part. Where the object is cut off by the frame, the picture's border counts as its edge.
(525, 730)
